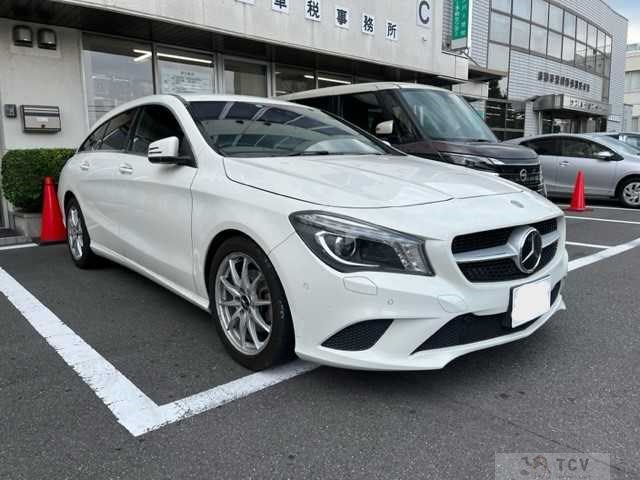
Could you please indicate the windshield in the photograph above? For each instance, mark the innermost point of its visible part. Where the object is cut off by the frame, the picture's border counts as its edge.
(619, 146)
(446, 116)
(248, 129)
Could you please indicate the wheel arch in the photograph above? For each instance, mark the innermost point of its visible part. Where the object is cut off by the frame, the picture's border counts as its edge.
(215, 243)
(625, 179)
(68, 196)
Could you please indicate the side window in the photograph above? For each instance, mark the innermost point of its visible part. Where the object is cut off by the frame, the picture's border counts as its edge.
(633, 141)
(546, 146)
(95, 139)
(157, 122)
(403, 129)
(328, 104)
(363, 110)
(581, 148)
(117, 133)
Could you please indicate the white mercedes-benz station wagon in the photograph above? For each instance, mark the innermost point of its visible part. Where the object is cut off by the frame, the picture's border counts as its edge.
(301, 233)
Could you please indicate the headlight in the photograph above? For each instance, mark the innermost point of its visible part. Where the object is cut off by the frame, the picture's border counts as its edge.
(350, 245)
(473, 161)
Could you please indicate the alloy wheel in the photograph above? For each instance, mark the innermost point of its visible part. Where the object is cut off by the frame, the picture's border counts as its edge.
(75, 234)
(631, 193)
(243, 302)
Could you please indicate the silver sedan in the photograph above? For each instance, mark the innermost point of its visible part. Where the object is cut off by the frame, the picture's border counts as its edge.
(611, 167)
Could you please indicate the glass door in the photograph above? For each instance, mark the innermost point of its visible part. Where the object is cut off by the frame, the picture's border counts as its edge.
(245, 77)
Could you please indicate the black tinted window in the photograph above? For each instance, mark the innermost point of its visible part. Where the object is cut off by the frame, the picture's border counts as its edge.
(323, 103)
(95, 139)
(116, 135)
(363, 110)
(157, 122)
(546, 146)
(581, 148)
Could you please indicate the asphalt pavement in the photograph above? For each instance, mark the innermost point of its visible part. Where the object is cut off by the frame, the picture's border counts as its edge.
(573, 386)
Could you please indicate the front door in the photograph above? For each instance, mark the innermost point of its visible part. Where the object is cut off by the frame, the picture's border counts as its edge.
(155, 220)
(577, 154)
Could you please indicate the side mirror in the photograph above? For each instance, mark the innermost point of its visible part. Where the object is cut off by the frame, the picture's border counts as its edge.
(384, 128)
(167, 151)
(605, 155)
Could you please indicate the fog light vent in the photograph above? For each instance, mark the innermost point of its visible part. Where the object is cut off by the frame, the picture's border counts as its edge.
(359, 336)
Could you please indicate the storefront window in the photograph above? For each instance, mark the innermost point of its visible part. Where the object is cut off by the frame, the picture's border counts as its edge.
(502, 5)
(245, 78)
(184, 72)
(569, 24)
(540, 12)
(568, 49)
(581, 31)
(291, 80)
(581, 54)
(555, 18)
(499, 28)
(333, 80)
(554, 48)
(116, 71)
(522, 8)
(498, 57)
(592, 33)
(538, 39)
(520, 34)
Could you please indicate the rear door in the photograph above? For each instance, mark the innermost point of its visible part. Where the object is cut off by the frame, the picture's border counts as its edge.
(549, 153)
(98, 160)
(156, 201)
(586, 155)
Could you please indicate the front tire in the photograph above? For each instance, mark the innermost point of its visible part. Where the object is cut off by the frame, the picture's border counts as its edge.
(249, 306)
(629, 193)
(78, 239)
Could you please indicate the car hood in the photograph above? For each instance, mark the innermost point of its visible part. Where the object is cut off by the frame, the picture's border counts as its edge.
(508, 153)
(364, 181)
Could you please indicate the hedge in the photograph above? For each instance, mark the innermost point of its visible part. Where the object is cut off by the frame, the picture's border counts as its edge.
(24, 170)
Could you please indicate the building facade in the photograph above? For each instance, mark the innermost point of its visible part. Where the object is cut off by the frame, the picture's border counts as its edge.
(65, 63)
(562, 65)
(632, 85)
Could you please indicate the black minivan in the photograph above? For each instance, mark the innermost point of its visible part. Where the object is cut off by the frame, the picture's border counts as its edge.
(428, 122)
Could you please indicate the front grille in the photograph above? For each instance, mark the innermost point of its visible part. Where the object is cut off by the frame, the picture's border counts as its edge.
(503, 270)
(514, 172)
(495, 238)
(359, 336)
(471, 328)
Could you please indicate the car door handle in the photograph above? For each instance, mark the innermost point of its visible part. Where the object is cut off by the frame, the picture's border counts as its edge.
(85, 165)
(564, 163)
(125, 169)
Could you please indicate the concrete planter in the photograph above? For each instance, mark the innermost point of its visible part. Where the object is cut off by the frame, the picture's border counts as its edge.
(28, 224)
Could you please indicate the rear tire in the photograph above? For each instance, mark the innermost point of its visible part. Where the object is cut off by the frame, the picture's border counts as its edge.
(78, 240)
(249, 306)
(629, 193)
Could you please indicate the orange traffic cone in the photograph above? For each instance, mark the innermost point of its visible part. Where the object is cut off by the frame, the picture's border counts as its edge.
(52, 230)
(577, 198)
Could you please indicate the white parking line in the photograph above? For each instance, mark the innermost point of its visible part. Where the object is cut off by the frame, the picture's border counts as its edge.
(588, 245)
(599, 207)
(610, 220)
(22, 245)
(132, 408)
(609, 252)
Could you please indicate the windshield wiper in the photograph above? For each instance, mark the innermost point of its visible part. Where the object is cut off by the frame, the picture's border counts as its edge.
(308, 153)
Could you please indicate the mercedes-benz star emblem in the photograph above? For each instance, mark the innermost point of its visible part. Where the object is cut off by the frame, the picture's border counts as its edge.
(523, 174)
(530, 251)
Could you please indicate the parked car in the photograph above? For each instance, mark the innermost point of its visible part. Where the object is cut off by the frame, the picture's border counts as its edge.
(428, 122)
(299, 233)
(632, 139)
(611, 167)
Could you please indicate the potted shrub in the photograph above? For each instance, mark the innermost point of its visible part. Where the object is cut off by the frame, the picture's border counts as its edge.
(22, 174)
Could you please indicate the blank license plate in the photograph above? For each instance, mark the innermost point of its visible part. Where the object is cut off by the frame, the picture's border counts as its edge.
(530, 301)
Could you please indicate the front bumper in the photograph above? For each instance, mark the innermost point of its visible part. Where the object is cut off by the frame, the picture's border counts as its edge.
(323, 302)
